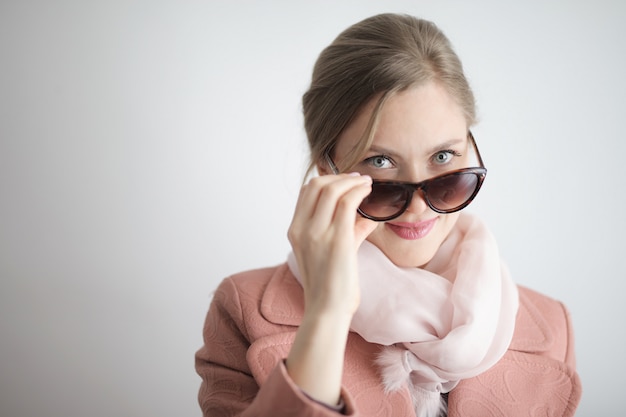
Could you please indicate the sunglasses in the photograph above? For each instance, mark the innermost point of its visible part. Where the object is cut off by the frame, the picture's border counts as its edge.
(446, 193)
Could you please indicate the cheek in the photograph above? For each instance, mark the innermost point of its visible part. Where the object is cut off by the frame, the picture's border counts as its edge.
(445, 226)
(377, 237)
(448, 221)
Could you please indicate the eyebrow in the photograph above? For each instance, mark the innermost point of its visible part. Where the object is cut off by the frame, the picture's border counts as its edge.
(446, 145)
(437, 148)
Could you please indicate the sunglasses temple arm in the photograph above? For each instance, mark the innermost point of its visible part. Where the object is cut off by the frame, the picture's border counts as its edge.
(480, 158)
(331, 164)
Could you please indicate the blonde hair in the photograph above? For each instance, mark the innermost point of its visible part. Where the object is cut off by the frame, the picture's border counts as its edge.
(376, 58)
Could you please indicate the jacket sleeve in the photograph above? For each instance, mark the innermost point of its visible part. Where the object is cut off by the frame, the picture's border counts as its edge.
(570, 356)
(228, 388)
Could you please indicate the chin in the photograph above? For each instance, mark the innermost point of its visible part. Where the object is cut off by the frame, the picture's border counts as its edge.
(407, 253)
(415, 257)
(416, 253)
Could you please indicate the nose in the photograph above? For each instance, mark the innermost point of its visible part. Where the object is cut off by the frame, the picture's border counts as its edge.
(418, 204)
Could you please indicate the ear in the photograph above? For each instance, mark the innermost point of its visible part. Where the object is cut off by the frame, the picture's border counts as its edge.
(323, 168)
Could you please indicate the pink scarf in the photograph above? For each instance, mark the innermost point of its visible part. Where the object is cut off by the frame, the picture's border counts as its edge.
(451, 320)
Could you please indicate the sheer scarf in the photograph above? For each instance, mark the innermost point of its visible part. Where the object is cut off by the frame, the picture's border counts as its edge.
(450, 320)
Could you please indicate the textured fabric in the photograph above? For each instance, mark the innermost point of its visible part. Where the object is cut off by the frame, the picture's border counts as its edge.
(251, 325)
(463, 297)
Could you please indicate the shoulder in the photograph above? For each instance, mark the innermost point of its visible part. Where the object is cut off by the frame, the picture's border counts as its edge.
(261, 297)
(540, 307)
(247, 285)
(543, 326)
(541, 301)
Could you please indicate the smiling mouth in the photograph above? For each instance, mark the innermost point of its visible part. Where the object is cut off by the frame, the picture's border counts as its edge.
(412, 231)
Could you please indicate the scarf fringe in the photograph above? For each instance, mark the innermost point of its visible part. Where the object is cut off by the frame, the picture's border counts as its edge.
(396, 373)
(428, 403)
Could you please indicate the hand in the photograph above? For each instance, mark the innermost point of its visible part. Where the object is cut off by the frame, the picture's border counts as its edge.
(325, 234)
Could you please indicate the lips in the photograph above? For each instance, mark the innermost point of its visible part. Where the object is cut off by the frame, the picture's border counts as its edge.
(412, 231)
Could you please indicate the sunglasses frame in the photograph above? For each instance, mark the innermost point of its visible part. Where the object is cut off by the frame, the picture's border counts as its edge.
(422, 186)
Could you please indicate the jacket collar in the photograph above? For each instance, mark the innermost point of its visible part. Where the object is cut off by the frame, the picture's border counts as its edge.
(283, 300)
(532, 332)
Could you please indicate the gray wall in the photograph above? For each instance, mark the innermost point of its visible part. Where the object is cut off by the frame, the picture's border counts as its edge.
(150, 148)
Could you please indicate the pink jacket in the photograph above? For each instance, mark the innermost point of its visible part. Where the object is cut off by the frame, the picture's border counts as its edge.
(251, 325)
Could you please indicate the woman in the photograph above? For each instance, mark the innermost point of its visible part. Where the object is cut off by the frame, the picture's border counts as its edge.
(393, 302)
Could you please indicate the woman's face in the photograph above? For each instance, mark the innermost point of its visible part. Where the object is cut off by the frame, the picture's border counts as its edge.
(422, 132)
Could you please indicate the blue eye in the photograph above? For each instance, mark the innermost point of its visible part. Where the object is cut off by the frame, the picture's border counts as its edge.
(379, 161)
(444, 157)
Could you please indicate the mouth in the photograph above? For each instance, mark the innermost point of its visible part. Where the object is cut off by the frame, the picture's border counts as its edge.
(412, 231)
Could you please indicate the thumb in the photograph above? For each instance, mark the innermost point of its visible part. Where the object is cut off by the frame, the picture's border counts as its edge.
(362, 229)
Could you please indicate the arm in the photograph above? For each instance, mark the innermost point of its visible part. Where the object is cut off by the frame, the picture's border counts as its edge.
(228, 387)
(325, 235)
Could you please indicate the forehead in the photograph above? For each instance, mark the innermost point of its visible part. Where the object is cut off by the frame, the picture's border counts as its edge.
(410, 121)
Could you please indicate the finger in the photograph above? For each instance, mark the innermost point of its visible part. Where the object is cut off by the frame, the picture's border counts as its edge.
(319, 197)
(363, 227)
(305, 205)
(309, 194)
(344, 194)
(346, 212)
(310, 216)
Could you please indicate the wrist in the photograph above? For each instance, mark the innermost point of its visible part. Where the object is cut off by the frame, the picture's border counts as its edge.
(327, 317)
(315, 362)
(334, 306)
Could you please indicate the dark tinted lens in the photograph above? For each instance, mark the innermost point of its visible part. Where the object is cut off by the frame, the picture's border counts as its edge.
(385, 200)
(451, 191)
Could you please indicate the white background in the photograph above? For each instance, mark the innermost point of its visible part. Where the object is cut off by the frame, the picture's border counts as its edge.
(150, 148)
